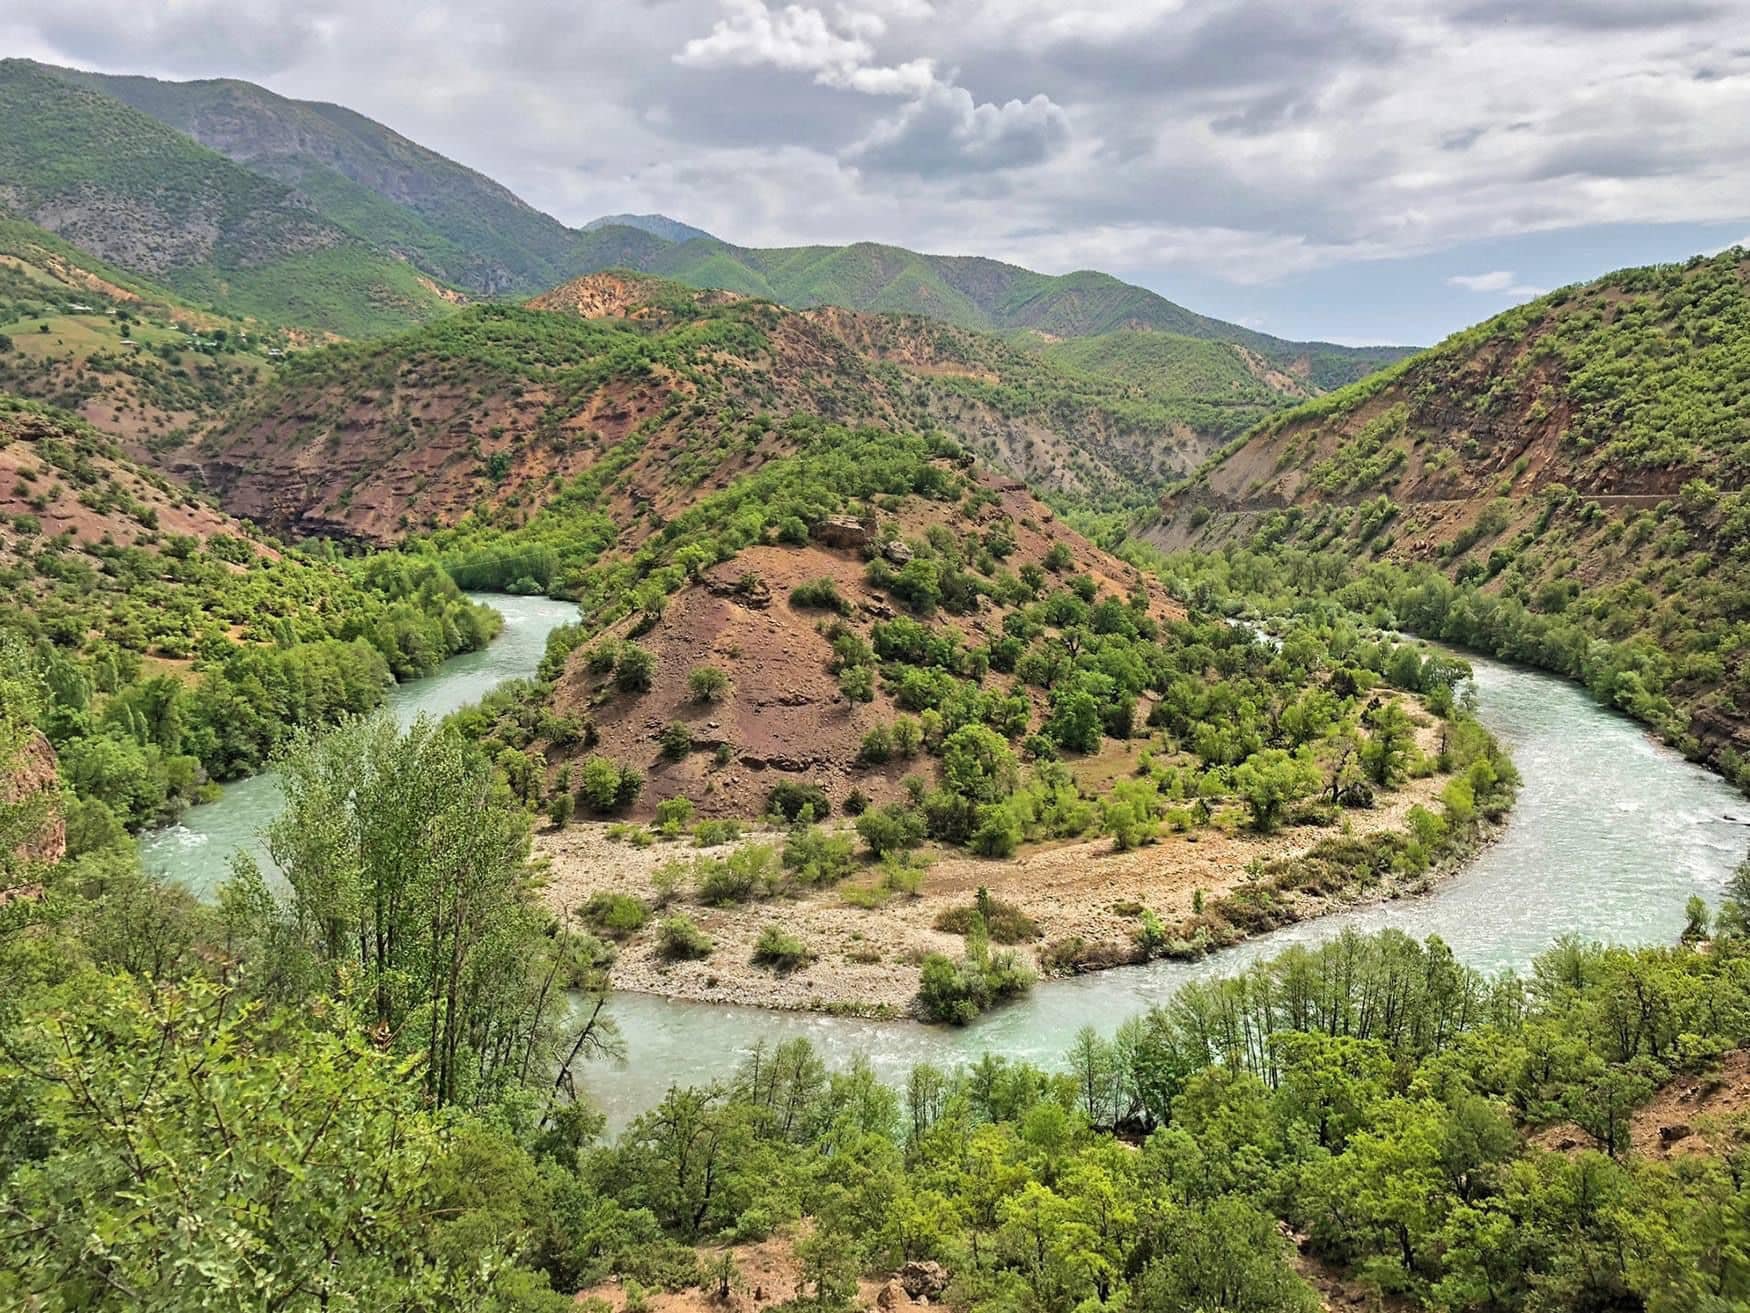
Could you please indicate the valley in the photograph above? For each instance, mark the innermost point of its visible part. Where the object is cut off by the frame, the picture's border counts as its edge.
(550, 766)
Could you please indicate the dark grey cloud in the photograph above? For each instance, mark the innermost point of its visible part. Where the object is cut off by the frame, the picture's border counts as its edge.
(1589, 15)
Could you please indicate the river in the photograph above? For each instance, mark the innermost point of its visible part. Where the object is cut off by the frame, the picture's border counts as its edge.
(197, 851)
(1611, 835)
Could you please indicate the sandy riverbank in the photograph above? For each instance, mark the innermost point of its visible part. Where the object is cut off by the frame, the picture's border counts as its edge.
(1084, 896)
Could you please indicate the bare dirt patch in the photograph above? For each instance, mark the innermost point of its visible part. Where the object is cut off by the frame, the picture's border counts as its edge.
(1691, 1114)
(768, 1274)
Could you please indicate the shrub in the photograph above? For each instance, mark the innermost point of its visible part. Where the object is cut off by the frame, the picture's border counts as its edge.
(1003, 923)
(998, 831)
(746, 873)
(820, 593)
(633, 668)
(782, 951)
(857, 683)
(891, 829)
(902, 873)
(559, 809)
(604, 786)
(714, 833)
(1151, 935)
(615, 915)
(666, 881)
(956, 992)
(679, 938)
(631, 785)
(789, 799)
(814, 857)
(877, 746)
(707, 683)
(676, 740)
(672, 815)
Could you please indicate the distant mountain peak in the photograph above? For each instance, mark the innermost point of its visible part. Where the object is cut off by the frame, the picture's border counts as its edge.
(657, 225)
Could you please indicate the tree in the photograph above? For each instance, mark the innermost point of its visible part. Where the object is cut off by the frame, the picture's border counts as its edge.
(633, 668)
(891, 828)
(707, 683)
(1390, 737)
(408, 867)
(290, 1167)
(1272, 779)
(1228, 1257)
(977, 764)
(1130, 813)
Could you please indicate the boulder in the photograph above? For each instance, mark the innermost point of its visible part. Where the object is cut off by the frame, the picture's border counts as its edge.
(840, 531)
(896, 552)
(925, 1280)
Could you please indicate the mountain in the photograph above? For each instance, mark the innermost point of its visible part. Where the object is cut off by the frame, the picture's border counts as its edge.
(1574, 469)
(501, 407)
(121, 352)
(145, 198)
(455, 224)
(465, 230)
(972, 292)
(657, 225)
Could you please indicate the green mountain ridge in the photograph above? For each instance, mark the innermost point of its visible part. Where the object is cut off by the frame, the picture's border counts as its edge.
(139, 195)
(454, 223)
(987, 295)
(461, 228)
(657, 225)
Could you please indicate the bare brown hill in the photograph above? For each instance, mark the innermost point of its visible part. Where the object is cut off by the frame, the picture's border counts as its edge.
(783, 714)
(499, 407)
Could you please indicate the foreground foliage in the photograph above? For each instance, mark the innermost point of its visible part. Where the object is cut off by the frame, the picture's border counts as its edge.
(272, 1093)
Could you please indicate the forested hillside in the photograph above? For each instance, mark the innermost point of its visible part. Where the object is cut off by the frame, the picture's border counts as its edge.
(142, 196)
(1562, 484)
(165, 645)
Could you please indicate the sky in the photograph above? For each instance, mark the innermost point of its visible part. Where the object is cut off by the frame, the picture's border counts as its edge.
(1357, 172)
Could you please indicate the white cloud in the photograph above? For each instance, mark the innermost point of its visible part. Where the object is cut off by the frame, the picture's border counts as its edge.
(795, 38)
(1499, 281)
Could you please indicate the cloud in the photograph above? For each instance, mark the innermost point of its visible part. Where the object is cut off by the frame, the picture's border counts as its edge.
(945, 131)
(795, 38)
(1588, 15)
(1250, 142)
(1499, 282)
(940, 130)
(190, 36)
